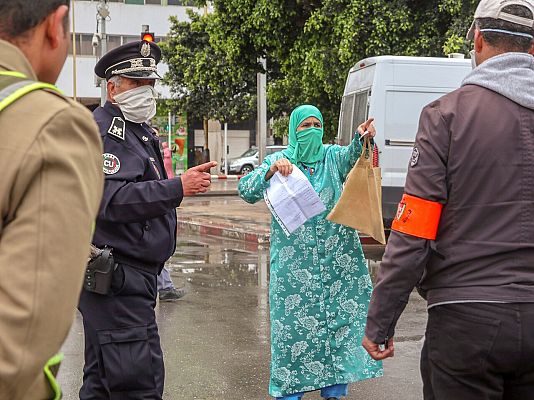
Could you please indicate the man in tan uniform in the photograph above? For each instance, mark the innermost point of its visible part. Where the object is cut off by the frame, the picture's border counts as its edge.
(50, 190)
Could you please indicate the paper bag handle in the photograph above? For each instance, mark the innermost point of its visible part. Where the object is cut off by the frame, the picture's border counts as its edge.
(367, 150)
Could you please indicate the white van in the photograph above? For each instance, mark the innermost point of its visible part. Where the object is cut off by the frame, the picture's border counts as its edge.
(394, 90)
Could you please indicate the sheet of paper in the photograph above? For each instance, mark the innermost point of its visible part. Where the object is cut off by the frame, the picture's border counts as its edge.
(292, 200)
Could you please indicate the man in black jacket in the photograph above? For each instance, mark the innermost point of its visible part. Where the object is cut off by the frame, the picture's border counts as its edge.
(464, 230)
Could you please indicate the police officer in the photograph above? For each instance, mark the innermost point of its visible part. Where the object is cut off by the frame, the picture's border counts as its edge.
(464, 230)
(137, 219)
(50, 190)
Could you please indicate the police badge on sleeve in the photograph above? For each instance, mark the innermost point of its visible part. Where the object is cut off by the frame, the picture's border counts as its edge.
(111, 163)
(415, 157)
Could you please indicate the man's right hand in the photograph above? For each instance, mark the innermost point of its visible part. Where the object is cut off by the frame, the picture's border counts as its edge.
(197, 179)
(376, 352)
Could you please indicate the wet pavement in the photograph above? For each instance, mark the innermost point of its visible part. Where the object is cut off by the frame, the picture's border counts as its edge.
(216, 339)
(223, 187)
(225, 216)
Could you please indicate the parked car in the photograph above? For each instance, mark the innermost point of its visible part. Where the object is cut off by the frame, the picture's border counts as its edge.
(273, 149)
(249, 160)
(243, 164)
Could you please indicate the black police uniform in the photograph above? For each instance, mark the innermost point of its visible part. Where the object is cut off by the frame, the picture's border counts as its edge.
(137, 218)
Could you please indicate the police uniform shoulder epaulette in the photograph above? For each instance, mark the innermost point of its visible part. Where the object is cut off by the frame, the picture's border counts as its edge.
(117, 128)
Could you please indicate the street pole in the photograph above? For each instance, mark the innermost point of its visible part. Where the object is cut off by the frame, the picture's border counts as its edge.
(73, 52)
(226, 148)
(170, 131)
(103, 13)
(262, 109)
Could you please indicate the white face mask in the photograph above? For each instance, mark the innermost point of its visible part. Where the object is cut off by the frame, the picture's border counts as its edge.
(139, 104)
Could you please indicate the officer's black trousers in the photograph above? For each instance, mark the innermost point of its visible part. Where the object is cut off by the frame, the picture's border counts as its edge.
(123, 357)
(479, 351)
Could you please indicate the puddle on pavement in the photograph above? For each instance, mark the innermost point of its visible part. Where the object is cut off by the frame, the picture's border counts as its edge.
(189, 243)
(211, 262)
(214, 262)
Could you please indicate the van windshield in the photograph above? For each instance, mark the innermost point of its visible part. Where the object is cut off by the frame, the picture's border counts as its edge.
(354, 111)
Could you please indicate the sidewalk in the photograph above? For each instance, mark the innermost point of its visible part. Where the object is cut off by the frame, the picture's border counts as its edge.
(221, 212)
(223, 187)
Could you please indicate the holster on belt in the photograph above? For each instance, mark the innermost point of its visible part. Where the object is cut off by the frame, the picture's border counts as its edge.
(99, 271)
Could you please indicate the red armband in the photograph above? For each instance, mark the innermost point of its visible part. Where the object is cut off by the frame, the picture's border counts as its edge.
(417, 217)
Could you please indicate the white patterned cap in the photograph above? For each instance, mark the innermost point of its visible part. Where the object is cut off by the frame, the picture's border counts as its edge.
(493, 9)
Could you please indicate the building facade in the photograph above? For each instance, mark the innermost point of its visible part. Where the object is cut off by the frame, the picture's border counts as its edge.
(123, 25)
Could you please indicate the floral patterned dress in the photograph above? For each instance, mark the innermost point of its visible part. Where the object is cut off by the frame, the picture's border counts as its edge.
(319, 287)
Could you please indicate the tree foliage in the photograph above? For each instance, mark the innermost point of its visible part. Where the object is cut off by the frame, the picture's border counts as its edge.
(201, 79)
(281, 126)
(310, 45)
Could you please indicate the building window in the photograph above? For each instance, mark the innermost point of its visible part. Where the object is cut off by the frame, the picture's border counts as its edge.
(129, 39)
(158, 2)
(134, 1)
(181, 3)
(84, 45)
(114, 41)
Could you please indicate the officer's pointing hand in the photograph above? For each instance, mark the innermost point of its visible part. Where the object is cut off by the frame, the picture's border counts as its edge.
(197, 179)
(204, 167)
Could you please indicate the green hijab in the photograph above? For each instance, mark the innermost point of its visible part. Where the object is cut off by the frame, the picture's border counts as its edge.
(306, 146)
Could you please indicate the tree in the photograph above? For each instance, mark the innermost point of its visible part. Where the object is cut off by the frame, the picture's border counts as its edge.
(339, 33)
(202, 81)
(310, 45)
(281, 126)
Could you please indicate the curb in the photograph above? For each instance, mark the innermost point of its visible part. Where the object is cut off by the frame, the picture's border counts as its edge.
(230, 232)
(214, 193)
(226, 177)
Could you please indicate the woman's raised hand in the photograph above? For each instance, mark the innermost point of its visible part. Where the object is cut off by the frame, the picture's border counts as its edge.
(368, 127)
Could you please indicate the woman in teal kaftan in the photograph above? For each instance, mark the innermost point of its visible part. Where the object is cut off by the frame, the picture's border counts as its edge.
(319, 283)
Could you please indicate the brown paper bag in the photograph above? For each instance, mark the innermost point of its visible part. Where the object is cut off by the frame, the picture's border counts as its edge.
(360, 204)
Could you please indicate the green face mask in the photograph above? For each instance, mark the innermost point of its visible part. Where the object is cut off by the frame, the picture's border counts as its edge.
(305, 146)
(310, 145)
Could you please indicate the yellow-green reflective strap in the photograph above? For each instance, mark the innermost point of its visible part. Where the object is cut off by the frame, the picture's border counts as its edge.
(25, 90)
(13, 73)
(51, 369)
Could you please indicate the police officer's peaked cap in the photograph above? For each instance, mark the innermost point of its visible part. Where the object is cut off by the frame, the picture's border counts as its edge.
(135, 60)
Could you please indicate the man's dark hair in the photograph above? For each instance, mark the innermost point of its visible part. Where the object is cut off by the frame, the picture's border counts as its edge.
(19, 16)
(504, 41)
